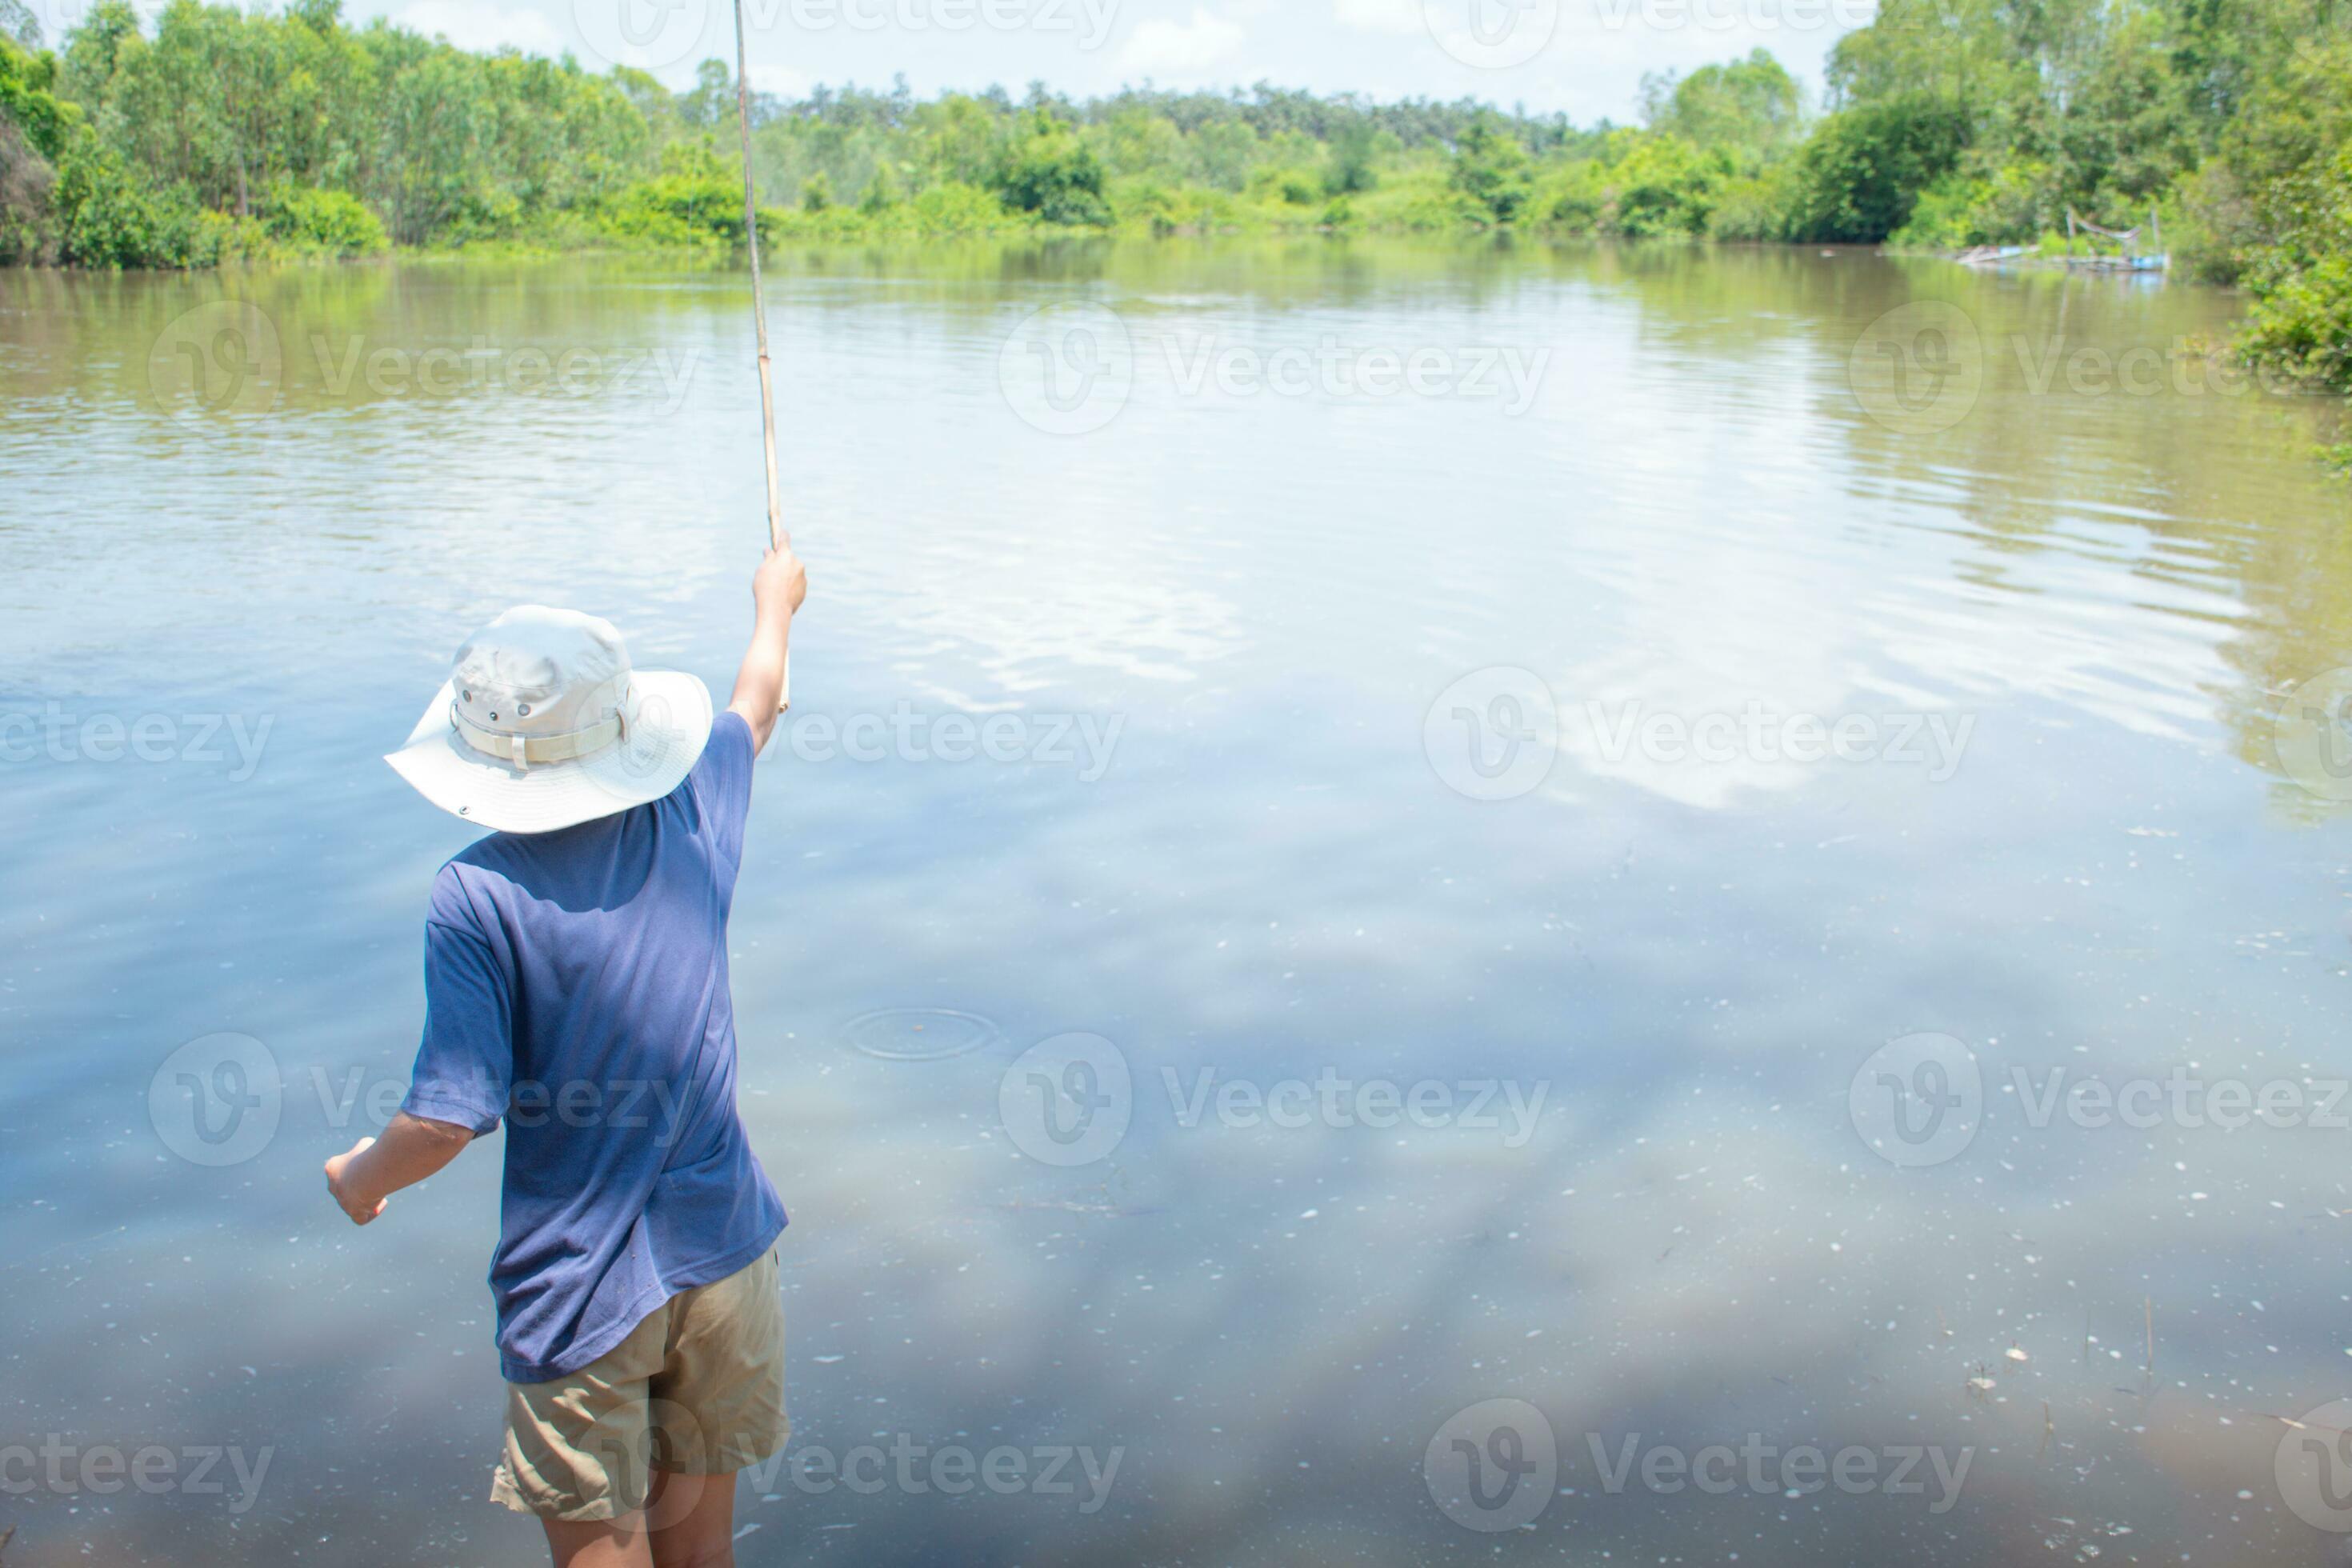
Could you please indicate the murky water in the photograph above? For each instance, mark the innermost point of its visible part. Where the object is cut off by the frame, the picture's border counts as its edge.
(1619, 831)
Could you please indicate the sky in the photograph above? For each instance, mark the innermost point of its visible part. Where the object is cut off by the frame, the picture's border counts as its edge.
(1586, 57)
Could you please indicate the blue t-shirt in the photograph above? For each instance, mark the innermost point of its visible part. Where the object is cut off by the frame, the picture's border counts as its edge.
(576, 988)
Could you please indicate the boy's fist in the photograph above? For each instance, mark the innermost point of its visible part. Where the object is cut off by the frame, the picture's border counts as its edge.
(781, 583)
(360, 1212)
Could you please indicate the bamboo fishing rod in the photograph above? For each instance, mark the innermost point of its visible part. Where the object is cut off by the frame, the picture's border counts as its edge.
(777, 538)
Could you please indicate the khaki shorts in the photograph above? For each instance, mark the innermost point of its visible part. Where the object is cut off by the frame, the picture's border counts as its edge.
(697, 1389)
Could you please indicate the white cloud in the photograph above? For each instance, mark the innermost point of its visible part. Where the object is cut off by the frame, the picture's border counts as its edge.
(480, 27)
(1180, 48)
(1380, 16)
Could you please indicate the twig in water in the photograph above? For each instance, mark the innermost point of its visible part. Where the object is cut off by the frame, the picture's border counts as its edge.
(2048, 1428)
(2151, 1302)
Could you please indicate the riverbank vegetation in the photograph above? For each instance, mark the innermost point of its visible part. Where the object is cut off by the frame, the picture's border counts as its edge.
(215, 134)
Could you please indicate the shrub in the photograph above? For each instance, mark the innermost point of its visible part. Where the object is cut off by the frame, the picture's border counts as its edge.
(1050, 171)
(330, 223)
(1860, 174)
(1490, 167)
(1660, 185)
(2302, 320)
(953, 207)
(108, 214)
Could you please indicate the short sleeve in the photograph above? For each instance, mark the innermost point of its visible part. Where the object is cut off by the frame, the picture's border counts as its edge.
(465, 1069)
(723, 784)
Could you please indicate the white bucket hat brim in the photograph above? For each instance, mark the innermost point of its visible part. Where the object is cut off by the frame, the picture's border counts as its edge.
(667, 724)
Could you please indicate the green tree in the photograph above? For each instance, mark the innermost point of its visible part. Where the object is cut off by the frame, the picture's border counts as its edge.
(1051, 172)
(1751, 108)
(1860, 174)
(1491, 168)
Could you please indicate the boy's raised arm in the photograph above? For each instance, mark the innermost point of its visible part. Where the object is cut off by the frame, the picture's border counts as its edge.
(777, 589)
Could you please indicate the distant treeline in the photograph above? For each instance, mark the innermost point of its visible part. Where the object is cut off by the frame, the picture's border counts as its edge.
(219, 133)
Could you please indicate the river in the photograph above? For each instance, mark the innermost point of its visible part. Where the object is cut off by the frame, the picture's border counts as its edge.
(1422, 901)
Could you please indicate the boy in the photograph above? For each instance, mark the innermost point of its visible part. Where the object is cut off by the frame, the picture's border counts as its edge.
(576, 989)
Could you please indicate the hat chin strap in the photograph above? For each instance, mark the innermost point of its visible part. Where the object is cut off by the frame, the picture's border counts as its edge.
(523, 750)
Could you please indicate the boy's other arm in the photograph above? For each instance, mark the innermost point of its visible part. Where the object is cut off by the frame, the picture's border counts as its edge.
(777, 589)
(410, 1149)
